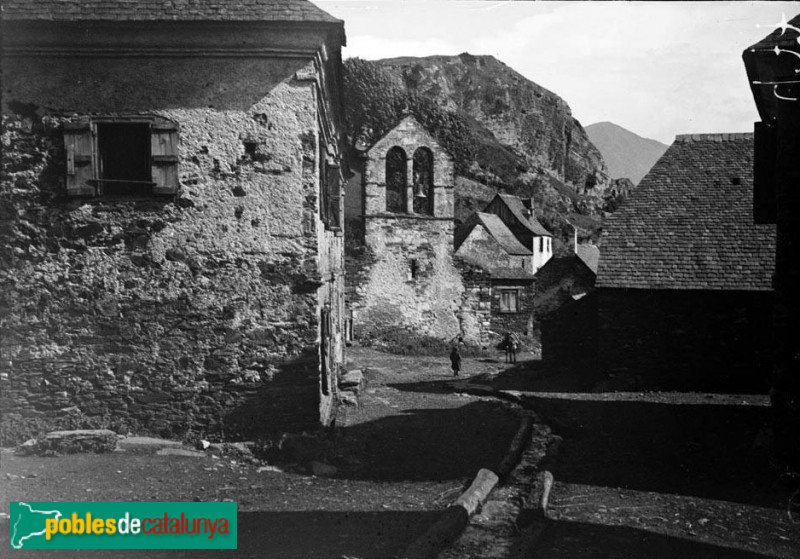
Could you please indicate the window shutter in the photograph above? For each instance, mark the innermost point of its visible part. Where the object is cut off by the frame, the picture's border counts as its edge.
(164, 157)
(334, 187)
(79, 146)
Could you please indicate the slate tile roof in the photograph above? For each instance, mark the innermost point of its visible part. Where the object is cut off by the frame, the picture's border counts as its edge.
(502, 273)
(498, 231)
(166, 10)
(689, 223)
(517, 208)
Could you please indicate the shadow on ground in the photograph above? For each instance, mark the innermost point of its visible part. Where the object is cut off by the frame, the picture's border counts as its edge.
(688, 449)
(433, 444)
(703, 448)
(287, 535)
(578, 540)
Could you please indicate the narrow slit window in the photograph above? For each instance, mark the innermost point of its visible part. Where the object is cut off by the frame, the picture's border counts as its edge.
(423, 181)
(396, 166)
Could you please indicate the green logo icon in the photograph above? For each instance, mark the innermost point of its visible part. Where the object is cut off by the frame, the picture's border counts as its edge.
(105, 525)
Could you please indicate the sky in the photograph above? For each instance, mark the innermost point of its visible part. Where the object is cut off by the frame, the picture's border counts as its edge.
(656, 68)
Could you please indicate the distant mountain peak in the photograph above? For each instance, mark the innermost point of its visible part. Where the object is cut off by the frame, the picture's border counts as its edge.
(627, 154)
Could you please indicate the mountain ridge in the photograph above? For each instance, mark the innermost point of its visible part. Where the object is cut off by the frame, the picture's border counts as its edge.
(505, 133)
(519, 114)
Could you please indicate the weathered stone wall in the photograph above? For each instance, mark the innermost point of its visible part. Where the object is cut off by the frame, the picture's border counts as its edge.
(475, 314)
(189, 315)
(390, 298)
(710, 340)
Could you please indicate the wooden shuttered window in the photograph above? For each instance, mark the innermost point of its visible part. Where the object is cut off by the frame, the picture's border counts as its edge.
(509, 301)
(80, 150)
(164, 157)
(96, 150)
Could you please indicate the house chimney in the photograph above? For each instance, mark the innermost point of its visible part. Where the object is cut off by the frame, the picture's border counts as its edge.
(574, 238)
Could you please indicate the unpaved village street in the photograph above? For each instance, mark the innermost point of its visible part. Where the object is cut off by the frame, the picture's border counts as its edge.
(637, 475)
(658, 475)
(404, 455)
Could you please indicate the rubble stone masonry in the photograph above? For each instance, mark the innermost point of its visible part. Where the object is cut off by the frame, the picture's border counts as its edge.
(405, 279)
(192, 314)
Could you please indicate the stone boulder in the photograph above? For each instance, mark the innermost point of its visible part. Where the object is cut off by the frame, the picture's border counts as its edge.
(168, 451)
(352, 381)
(71, 442)
(348, 399)
(146, 445)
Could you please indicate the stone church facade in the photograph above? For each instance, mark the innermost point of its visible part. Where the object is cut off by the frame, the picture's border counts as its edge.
(405, 280)
(401, 206)
(170, 213)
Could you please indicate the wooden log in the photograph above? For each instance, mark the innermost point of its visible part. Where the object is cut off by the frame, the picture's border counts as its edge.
(518, 444)
(454, 519)
(476, 494)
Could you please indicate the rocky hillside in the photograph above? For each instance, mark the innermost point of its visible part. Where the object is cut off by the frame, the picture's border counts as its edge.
(627, 155)
(504, 132)
(523, 129)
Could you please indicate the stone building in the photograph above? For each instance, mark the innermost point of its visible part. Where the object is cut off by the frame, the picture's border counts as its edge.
(172, 252)
(401, 273)
(685, 280)
(509, 244)
(508, 222)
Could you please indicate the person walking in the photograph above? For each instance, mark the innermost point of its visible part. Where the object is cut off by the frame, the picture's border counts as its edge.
(510, 343)
(455, 361)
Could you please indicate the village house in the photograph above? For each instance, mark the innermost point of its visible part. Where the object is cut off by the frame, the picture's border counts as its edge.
(170, 213)
(506, 230)
(508, 243)
(685, 280)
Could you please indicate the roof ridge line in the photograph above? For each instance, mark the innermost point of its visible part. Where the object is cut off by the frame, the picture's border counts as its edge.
(716, 137)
